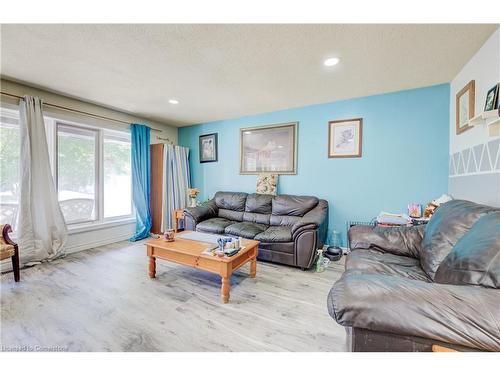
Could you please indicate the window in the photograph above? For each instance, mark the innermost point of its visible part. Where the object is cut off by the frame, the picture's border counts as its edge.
(77, 173)
(93, 172)
(117, 174)
(9, 166)
(91, 168)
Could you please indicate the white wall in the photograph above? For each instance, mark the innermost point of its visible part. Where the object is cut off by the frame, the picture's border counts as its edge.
(474, 154)
(88, 238)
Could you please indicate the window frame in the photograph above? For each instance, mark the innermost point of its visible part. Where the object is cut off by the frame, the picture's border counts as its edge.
(51, 122)
(99, 220)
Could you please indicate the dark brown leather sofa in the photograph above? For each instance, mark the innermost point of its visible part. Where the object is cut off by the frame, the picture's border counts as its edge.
(405, 289)
(289, 227)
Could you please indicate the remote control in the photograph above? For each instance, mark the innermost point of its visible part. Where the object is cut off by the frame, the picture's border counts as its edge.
(232, 252)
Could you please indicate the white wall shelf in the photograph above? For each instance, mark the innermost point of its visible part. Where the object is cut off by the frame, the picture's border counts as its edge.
(490, 119)
(484, 118)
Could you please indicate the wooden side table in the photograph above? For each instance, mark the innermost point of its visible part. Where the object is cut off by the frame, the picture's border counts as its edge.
(178, 215)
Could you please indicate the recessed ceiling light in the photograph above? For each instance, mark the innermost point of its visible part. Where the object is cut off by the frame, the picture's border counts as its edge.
(173, 101)
(247, 132)
(331, 61)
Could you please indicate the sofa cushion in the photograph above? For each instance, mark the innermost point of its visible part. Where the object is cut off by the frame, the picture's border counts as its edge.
(462, 315)
(256, 218)
(282, 220)
(214, 225)
(475, 259)
(399, 240)
(448, 224)
(293, 205)
(275, 234)
(245, 229)
(231, 215)
(231, 201)
(378, 262)
(259, 203)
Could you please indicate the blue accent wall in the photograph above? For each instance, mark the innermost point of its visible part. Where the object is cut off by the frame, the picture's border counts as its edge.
(404, 159)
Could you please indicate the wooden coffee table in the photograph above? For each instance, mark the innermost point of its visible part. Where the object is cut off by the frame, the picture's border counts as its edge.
(189, 253)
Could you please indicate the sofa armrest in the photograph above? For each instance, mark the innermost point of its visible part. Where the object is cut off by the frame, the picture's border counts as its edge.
(200, 213)
(404, 241)
(303, 226)
(316, 219)
(403, 306)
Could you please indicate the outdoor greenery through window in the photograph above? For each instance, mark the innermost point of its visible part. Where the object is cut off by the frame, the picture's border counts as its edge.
(9, 166)
(91, 167)
(76, 173)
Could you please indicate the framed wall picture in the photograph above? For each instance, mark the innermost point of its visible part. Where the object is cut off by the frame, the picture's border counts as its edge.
(208, 148)
(345, 138)
(464, 107)
(492, 98)
(271, 149)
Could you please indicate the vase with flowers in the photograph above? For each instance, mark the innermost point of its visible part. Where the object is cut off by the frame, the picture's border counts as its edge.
(192, 194)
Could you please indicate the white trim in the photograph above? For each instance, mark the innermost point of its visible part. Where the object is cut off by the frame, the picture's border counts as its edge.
(97, 226)
(6, 264)
(100, 242)
(475, 174)
(100, 174)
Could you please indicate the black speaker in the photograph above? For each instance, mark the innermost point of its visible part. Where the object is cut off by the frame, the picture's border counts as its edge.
(333, 253)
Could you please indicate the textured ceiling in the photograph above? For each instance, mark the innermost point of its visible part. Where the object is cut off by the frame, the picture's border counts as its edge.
(227, 71)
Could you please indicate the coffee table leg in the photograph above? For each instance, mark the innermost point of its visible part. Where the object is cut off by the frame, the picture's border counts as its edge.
(253, 268)
(152, 267)
(226, 286)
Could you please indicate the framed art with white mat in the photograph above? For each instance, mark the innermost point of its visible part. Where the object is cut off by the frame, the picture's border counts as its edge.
(345, 138)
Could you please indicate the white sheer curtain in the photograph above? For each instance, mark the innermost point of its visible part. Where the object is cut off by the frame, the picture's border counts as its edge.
(175, 182)
(41, 228)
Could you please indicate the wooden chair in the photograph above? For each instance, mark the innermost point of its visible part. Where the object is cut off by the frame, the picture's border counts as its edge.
(9, 249)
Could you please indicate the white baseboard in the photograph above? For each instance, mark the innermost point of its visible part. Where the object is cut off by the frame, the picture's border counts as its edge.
(100, 242)
(120, 234)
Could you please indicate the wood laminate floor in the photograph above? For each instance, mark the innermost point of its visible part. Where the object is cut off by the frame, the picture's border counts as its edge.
(103, 300)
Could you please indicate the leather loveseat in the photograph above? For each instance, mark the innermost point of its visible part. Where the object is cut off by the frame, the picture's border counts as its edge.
(289, 227)
(406, 289)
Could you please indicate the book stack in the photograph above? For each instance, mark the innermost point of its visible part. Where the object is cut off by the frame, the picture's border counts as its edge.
(386, 219)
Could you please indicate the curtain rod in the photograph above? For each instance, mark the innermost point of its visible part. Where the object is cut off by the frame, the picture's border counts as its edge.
(77, 111)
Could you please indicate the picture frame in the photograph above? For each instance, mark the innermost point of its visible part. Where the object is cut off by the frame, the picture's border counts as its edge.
(491, 102)
(345, 138)
(465, 107)
(269, 149)
(208, 148)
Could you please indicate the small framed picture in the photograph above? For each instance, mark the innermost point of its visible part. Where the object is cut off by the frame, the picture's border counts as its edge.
(208, 148)
(492, 98)
(464, 107)
(344, 138)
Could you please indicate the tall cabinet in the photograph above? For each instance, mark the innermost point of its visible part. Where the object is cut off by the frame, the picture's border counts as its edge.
(156, 186)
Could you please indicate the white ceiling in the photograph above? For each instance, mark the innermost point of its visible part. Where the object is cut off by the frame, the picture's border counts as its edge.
(227, 71)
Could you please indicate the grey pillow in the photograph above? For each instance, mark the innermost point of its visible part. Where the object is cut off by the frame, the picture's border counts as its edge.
(475, 259)
(448, 224)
